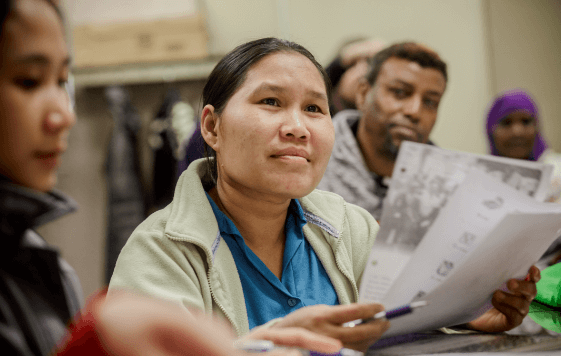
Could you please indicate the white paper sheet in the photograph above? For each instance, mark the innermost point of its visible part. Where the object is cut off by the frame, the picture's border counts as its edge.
(424, 179)
(505, 253)
(487, 233)
(473, 212)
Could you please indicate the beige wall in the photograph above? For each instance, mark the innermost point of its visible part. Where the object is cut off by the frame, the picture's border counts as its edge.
(106, 11)
(526, 52)
(489, 45)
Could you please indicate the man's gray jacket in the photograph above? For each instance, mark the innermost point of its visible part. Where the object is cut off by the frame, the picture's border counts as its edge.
(347, 173)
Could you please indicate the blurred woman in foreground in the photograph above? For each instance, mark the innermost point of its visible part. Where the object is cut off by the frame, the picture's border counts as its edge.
(247, 236)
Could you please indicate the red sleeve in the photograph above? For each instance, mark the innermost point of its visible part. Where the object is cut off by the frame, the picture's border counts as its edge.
(82, 337)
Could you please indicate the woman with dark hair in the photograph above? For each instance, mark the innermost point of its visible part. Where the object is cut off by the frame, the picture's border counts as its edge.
(346, 70)
(247, 237)
(513, 131)
(39, 292)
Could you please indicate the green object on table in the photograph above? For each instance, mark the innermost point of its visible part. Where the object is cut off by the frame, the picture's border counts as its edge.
(546, 308)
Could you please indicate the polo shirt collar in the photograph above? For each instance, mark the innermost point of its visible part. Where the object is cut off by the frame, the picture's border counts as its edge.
(227, 226)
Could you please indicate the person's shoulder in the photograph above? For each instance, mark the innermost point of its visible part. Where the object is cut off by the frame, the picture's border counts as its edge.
(551, 157)
(347, 114)
(324, 200)
(353, 225)
(325, 205)
(334, 208)
(157, 220)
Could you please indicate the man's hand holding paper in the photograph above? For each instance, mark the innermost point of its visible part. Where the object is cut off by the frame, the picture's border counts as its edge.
(509, 308)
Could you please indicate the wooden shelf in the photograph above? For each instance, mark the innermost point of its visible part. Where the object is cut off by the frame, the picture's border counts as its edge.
(144, 73)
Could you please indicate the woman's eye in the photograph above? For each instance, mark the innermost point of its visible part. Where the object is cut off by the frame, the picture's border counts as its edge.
(400, 93)
(270, 101)
(313, 108)
(27, 83)
(528, 122)
(505, 123)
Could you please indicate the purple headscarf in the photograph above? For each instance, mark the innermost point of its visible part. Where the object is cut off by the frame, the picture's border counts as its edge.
(507, 103)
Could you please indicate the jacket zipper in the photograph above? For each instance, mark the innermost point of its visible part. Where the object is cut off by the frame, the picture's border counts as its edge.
(353, 283)
(220, 305)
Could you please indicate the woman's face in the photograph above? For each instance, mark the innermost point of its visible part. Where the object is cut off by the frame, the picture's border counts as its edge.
(515, 134)
(348, 86)
(35, 113)
(275, 134)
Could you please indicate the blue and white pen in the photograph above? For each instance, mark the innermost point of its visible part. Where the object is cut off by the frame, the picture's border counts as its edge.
(390, 314)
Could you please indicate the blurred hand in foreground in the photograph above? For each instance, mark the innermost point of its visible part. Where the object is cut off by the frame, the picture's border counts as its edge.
(133, 325)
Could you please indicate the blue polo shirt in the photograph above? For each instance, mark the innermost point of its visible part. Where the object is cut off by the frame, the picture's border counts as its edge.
(304, 281)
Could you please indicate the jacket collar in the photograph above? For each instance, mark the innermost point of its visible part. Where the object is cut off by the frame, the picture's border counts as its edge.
(22, 208)
(192, 218)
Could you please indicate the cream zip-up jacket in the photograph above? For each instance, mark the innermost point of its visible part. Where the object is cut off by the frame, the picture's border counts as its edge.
(177, 253)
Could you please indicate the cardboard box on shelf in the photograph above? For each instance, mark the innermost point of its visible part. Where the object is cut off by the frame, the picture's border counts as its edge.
(174, 39)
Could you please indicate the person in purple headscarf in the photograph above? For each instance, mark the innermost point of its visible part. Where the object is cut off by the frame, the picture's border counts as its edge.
(512, 126)
(513, 131)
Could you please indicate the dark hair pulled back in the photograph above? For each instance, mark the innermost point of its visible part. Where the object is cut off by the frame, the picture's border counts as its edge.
(230, 73)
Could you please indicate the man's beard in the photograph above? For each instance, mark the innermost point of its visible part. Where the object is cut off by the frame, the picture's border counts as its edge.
(389, 149)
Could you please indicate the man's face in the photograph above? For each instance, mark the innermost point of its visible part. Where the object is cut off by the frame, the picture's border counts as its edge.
(401, 105)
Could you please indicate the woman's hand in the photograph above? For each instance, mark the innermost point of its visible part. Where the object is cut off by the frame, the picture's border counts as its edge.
(295, 338)
(329, 320)
(509, 308)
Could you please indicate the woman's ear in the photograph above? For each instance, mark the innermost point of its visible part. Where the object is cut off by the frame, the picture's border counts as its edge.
(209, 126)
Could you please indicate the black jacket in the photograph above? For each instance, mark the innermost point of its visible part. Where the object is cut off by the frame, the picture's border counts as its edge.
(39, 292)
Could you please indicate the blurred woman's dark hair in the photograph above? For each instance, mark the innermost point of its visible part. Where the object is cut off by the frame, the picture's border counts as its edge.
(230, 73)
(6, 6)
(411, 51)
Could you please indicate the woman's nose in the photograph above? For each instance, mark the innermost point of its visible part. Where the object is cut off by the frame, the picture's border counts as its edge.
(60, 115)
(518, 129)
(294, 126)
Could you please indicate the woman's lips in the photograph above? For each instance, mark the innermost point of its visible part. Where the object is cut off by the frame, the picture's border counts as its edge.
(292, 154)
(289, 158)
(519, 143)
(49, 159)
